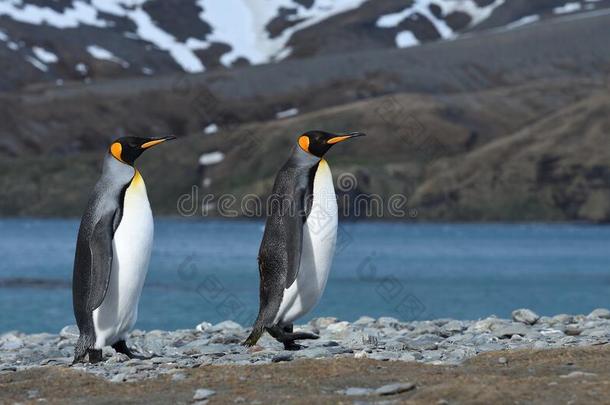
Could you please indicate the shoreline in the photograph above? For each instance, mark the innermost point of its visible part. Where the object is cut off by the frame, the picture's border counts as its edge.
(492, 360)
(436, 342)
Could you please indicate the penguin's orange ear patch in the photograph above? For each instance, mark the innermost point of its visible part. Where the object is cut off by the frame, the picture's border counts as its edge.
(304, 143)
(116, 149)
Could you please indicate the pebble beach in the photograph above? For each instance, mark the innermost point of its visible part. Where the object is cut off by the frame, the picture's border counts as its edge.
(436, 342)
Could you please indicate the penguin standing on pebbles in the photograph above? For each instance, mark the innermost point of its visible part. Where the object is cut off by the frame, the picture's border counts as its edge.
(112, 252)
(298, 244)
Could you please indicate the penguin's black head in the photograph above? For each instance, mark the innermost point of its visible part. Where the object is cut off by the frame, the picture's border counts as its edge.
(129, 148)
(319, 142)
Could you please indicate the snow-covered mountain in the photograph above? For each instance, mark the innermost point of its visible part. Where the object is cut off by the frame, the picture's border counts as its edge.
(57, 40)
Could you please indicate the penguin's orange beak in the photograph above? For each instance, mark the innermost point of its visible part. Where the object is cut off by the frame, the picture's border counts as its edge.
(155, 142)
(342, 138)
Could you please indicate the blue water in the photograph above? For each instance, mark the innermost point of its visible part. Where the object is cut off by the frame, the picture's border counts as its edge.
(206, 271)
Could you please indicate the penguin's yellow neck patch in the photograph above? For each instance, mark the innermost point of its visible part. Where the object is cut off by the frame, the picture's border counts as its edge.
(137, 179)
(304, 143)
(116, 149)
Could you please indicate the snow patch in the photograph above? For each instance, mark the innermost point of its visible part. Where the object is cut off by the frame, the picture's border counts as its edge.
(211, 129)
(81, 68)
(287, 114)
(406, 39)
(103, 54)
(72, 17)
(242, 24)
(45, 56)
(529, 19)
(422, 8)
(212, 158)
(567, 8)
(37, 64)
(148, 31)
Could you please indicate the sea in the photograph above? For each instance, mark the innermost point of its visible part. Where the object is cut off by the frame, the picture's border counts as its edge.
(206, 271)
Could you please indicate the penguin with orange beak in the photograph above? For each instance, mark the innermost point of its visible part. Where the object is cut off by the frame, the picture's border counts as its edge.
(112, 252)
(298, 244)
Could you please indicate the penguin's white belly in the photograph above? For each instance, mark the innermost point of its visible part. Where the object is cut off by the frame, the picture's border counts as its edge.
(319, 239)
(131, 247)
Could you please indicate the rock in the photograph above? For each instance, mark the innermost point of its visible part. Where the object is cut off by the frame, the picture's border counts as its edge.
(510, 330)
(361, 354)
(364, 321)
(423, 342)
(32, 394)
(572, 330)
(426, 328)
(178, 377)
(282, 357)
(487, 324)
(313, 353)
(562, 318)
(225, 326)
(525, 316)
(578, 374)
(322, 323)
(454, 327)
(338, 327)
(540, 344)
(393, 389)
(13, 343)
(602, 313)
(203, 394)
(69, 332)
(203, 326)
(355, 391)
(384, 356)
(119, 378)
(502, 360)
(596, 333)
(408, 357)
(387, 321)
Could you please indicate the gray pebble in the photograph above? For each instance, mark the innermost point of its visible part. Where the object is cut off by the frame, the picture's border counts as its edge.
(393, 389)
(178, 377)
(355, 391)
(602, 313)
(282, 357)
(510, 330)
(525, 316)
(203, 394)
(440, 341)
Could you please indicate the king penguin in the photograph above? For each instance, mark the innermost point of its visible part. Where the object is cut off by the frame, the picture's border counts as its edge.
(112, 252)
(298, 243)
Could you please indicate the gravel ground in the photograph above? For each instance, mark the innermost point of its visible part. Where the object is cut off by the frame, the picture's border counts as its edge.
(437, 342)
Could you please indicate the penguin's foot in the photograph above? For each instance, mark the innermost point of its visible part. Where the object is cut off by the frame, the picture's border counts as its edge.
(121, 347)
(304, 336)
(95, 356)
(283, 336)
(293, 347)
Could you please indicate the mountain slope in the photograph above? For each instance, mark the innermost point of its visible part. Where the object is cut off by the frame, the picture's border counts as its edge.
(73, 40)
(553, 169)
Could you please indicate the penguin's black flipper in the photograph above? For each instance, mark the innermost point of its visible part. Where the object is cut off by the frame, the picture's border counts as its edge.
(92, 268)
(287, 222)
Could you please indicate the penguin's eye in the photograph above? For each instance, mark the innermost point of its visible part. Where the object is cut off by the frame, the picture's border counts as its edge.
(304, 143)
(116, 149)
